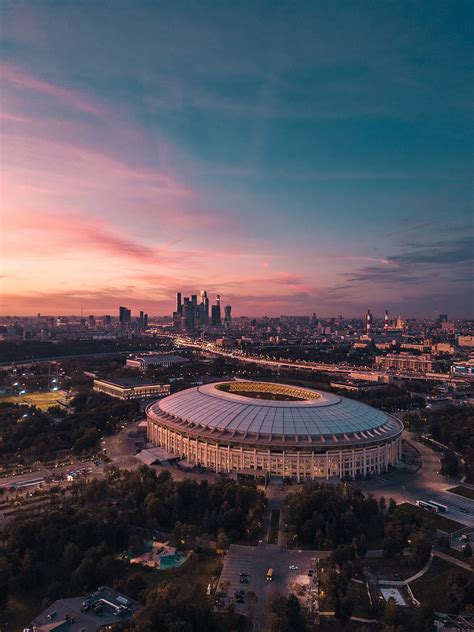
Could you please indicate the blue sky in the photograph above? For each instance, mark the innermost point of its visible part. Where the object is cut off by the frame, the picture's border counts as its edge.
(293, 156)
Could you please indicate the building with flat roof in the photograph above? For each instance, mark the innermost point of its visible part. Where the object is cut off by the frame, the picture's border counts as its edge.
(422, 363)
(275, 429)
(158, 359)
(98, 611)
(131, 388)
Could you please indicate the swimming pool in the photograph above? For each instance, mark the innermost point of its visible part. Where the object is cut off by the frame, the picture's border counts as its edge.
(171, 561)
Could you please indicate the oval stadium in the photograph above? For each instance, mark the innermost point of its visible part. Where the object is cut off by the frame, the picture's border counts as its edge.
(264, 428)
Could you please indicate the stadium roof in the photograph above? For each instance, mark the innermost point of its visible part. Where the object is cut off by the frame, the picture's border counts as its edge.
(308, 415)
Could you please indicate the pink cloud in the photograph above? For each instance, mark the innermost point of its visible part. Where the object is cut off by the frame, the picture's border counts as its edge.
(23, 80)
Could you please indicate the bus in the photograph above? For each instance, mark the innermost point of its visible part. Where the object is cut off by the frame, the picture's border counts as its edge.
(441, 507)
(427, 505)
(269, 574)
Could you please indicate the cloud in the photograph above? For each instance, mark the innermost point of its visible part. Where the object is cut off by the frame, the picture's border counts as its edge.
(24, 81)
(444, 252)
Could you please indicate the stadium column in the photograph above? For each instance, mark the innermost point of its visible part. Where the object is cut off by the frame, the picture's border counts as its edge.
(340, 463)
(327, 465)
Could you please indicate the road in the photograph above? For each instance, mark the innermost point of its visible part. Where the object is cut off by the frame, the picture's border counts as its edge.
(314, 366)
(425, 484)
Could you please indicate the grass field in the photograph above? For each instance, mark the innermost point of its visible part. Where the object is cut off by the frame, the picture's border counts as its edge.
(432, 588)
(42, 400)
(435, 520)
(462, 491)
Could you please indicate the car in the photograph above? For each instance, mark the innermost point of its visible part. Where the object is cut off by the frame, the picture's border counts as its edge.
(242, 574)
(244, 580)
(240, 592)
(463, 509)
(239, 600)
(292, 567)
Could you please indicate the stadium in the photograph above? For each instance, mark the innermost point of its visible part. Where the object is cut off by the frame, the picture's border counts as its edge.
(263, 428)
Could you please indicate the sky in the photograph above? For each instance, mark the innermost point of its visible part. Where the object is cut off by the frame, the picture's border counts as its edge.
(294, 157)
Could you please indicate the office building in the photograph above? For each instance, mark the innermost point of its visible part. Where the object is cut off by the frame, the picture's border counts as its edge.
(131, 388)
(155, 359)
(125, 316)
(216, 315)
(406, 362)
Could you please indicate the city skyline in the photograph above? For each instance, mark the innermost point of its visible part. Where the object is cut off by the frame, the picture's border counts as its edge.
(304, 159)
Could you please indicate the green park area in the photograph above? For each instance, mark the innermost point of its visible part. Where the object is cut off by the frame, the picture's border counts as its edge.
(436, 521)
(460, 490)
(443, 585)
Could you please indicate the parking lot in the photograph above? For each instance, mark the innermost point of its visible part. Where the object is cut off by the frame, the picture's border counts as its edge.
(254, 562)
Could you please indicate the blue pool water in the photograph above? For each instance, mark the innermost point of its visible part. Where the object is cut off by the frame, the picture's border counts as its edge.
(170, 561)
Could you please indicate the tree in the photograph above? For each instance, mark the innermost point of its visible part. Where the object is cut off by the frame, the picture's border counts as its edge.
(343, 608)
(251, 599)
(4, 582)
(467, 551)
(449, 464)
(420, 548)
(222, 541)
(286, 614)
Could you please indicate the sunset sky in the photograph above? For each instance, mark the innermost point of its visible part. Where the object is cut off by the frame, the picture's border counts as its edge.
(295, 157)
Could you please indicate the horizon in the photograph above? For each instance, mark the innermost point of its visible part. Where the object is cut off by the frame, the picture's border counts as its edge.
(295, 160)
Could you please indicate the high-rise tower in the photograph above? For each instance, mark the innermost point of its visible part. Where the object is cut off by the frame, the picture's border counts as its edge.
(385, 321)
(368, 322)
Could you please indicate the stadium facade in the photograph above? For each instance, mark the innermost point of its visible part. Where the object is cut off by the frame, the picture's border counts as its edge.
(267, 428)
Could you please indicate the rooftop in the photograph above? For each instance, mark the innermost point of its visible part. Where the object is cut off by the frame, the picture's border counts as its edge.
(310, 414)
(106, 607)
(127, 382)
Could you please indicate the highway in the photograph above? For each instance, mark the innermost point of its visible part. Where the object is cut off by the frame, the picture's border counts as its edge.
(320, 367)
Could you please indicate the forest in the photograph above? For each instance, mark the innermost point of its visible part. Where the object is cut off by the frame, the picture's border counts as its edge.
(29, 434)
(75, 543)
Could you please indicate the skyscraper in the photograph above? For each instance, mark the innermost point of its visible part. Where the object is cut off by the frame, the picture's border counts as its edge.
(385, 321)
(215, 315)
(204, 307)
(368, 322)
(125, 315)
(227, 316)
(187, 319)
